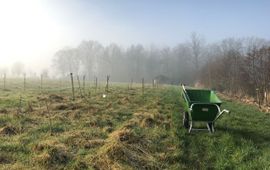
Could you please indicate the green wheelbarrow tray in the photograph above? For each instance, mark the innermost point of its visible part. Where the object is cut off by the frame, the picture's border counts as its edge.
(201, 105)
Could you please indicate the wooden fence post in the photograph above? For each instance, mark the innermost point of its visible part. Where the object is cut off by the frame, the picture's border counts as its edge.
(96, 83)
(41, 82)
(72, 85)
(79, 83)
(107, 83)
(84, 84)
(131, 83)
(143, 86)
(24, 81)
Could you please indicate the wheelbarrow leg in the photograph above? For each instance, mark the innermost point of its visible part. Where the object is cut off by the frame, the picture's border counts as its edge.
(190, 127)
(186, 120)
(210, 127)
(213, 129)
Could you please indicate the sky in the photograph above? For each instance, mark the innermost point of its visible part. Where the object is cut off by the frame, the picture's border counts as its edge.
(31, 31)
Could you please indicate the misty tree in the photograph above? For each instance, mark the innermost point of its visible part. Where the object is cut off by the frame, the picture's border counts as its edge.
(67, 61)
(90, 54)
(232, 49)
(221, 65)
(212, 51)
(136, 55)
(196, 47)
(182, 66)
(45, 73)
(112, 62)
(135, 62)
(164, 61)
(239, 67)
(3, 70)
(17, 69)
(152, 63)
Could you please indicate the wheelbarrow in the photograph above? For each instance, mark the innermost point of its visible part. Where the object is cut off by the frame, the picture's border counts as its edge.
(201, 105)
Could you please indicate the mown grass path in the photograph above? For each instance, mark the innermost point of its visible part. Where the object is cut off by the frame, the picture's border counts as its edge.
(241, 140)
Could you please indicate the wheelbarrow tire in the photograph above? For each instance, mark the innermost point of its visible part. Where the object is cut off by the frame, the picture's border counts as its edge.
(186, 120)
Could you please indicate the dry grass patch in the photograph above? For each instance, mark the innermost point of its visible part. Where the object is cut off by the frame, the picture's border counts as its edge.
(5, 159)
(8, 130)
(124, 149)
(94, 143)
(56, 98)
(60, 106)
(149, 119)
(51, 153)
(3, 111)
(84, 139)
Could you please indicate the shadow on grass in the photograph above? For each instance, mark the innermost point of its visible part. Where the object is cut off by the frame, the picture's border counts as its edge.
(256, 137)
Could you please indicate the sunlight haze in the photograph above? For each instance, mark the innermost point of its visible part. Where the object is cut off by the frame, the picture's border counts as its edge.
(29, 33)
(33, 30)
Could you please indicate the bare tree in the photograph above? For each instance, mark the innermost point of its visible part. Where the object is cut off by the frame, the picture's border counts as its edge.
(196, 47)
(90, 53)
(66, 61)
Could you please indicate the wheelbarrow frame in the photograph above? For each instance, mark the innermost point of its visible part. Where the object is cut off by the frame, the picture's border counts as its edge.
(187, 117)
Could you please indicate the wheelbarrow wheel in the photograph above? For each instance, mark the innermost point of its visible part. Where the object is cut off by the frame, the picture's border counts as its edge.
(186, 120)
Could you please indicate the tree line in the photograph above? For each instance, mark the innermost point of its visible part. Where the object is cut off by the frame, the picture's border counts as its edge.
(233, 65)
(239, 67)
(170, 65)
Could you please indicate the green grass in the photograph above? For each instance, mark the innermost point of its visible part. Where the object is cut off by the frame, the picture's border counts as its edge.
(241, 140)
(125, 130)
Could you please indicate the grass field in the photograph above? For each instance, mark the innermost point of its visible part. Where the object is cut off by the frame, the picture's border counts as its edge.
(124, 130)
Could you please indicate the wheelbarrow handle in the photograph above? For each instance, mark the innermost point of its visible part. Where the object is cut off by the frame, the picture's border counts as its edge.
(226, 111)
(221, 112)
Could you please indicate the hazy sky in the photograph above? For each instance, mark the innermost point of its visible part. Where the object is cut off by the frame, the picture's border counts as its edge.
(32, 30)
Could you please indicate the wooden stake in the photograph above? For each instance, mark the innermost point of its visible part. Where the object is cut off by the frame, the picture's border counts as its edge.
(19, 113)
(96, 83)
(84, 84)
(41, 83)
(72, 85)
(143, 86)
(79, 83)
(24, 81)
(131, 83)
(107, 83)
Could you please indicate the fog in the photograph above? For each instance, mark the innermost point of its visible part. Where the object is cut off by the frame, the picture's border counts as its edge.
(126, 40)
